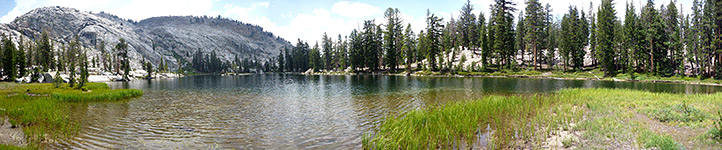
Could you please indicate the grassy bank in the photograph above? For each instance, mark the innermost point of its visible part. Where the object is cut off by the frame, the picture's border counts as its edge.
(41, 110)
(593, 74)
(572, 118)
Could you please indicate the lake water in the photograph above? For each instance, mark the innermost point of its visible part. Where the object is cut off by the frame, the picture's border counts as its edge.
(277, 111)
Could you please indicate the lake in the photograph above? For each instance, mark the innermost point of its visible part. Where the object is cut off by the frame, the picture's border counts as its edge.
(279, 111)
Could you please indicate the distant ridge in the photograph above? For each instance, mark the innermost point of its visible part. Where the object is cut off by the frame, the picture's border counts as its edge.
(174, 38)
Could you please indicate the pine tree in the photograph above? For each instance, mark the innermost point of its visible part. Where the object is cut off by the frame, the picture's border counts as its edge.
(83, 70)
(29, 59)
(356, 50)
(707, 37)
(593, 36)
(503, 42)
(620, 54)
(409, 47)
(378, 46)
(552, 32)
(605, 31)
(535, 21)
(630, 36)
(327, 49)
(448, 44)
(20, 58)
(9, 59)
(520, 33)
(656, 40)
(693, 38)
(483, 40)
(433, 37)
(72, 59)
(467, 25)
(57, 80)
(45, 54)
(341, 54)
(122, 54)
(281, 62)
(422, 51)
(392, 37)
(315, 58)
(716, 44)
(675, 41)
(572, 39)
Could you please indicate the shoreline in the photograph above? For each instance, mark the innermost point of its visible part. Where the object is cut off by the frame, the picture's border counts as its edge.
(541, 76)
(568, 119)
(34, 112)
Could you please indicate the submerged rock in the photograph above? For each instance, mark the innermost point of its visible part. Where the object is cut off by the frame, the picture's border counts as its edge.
(11, 135)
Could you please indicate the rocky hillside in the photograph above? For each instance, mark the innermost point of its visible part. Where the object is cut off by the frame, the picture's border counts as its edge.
(174, 38)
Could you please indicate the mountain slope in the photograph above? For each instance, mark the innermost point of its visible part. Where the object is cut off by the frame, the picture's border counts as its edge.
(175, 38)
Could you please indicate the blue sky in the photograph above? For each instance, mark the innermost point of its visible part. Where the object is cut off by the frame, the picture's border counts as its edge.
(294, 19)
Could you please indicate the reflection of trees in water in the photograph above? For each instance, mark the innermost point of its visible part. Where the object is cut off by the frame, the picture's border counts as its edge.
(283, 111)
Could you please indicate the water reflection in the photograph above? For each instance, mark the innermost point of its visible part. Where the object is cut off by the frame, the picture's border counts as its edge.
(286, 111)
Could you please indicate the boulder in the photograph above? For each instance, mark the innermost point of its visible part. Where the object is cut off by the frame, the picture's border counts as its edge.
(309, 71)
(46, 78)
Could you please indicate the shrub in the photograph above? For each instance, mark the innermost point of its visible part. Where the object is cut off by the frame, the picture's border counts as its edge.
(680, 113)
(652, 140)
(716, 131)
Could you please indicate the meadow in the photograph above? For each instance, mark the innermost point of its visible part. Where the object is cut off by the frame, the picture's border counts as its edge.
(566, 119)
(40, 109)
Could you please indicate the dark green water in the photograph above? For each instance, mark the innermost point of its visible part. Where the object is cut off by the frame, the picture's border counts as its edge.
(287, 111)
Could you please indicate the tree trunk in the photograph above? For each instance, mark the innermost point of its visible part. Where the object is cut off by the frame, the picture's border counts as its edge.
(535, 55)
(651, 58)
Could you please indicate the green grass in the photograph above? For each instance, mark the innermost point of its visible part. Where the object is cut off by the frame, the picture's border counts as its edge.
(715, 132)
(677, 113)
(661, 142)
(10, 147)
(458, 122)
(586, 74)
(96, 95)
(604, 118)
(41, 109)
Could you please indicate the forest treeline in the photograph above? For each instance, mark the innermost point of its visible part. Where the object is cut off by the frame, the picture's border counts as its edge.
(33, 58)
(660, 41)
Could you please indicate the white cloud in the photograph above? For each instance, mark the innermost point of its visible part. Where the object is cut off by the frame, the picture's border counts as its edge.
(251, 15)
(307, 26)
(310, 27)
(354, 9)
(264, 4)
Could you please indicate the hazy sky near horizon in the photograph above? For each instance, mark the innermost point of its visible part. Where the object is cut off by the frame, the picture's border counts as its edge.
(293, 19)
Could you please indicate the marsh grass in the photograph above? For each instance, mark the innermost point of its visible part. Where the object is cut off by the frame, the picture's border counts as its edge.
(10, 147)
(458, 123)
(605, 118)
(586, 74)
(96, 95)
(653, 140)
(715, 132)
(40, 118)
(677, 113)
(41, 109)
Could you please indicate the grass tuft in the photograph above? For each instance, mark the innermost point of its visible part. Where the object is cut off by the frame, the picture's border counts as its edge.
(604, 119)
(715, 132)
(679, 113)
(41, 109)
(655, 141)
(99, 95)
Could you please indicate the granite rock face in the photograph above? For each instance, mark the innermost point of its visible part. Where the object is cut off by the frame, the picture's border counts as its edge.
(174, 38)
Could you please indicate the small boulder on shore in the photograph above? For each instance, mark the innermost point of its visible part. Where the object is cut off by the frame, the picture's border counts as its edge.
(309, 71)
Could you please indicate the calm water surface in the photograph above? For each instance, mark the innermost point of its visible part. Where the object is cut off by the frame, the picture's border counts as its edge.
(286, 111)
